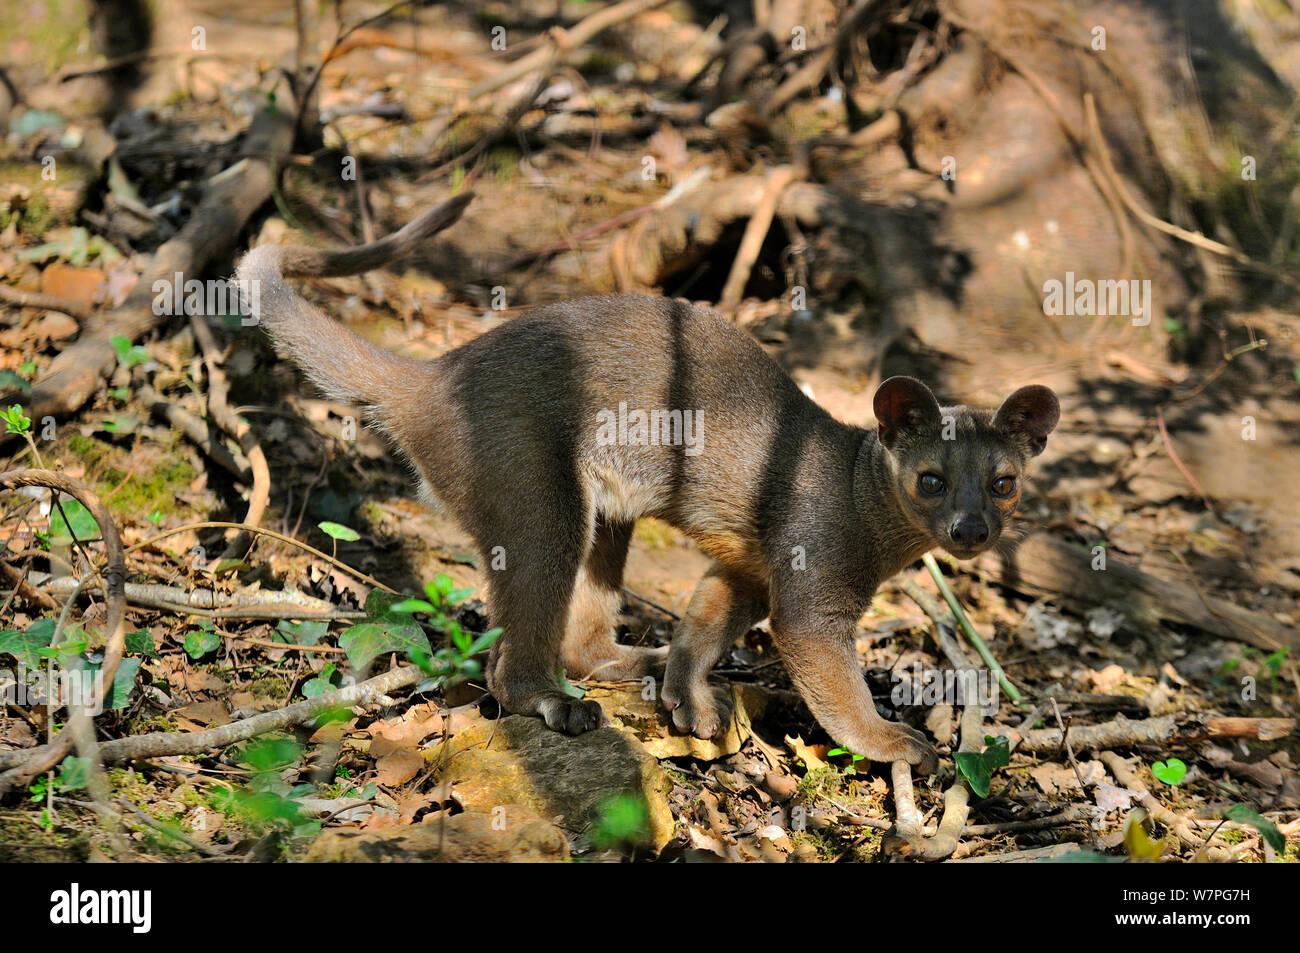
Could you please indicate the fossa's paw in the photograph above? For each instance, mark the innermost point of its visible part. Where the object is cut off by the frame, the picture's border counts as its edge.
(698, 709)
(573, 716)
(895, 742)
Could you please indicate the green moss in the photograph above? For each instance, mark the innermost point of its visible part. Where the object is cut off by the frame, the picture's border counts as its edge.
(272, 687)
(147, 493)
(819, 784)
(22, 841)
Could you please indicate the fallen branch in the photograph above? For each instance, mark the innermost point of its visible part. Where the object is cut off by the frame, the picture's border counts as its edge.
(755, 233)
(37, 299)
(197, 432)
(563, 42)
(1042, 565)
(167, 743)
(229, 200)
(1182, 728)
(208, 603)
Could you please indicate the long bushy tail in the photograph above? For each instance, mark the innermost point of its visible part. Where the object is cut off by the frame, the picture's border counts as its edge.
(343, 365)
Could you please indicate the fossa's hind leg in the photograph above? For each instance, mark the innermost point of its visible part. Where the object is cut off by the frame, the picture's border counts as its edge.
(590, 648)
(723, 608)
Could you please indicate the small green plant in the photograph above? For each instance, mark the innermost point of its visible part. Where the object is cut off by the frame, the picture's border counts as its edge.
(854, 759)
(201, 641)
(337, 531)
(268, 803)
(1171, 772)
(977, 767)
(624, 821)
(392, 627)
(16, 422)
(128, 354)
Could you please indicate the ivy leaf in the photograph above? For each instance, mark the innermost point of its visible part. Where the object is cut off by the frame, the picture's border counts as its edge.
(140, 642)
(339, 531)
(1170, 772)
(368, 640)
(1267, 829)
(977, 767)
(302, 633)
(26, 646)
(200, 642)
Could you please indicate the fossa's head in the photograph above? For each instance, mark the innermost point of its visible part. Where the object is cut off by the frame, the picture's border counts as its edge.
(957, 470)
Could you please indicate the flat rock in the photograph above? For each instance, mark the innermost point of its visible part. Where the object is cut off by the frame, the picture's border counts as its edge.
(645, 718)
(519, 761)
(514, 834)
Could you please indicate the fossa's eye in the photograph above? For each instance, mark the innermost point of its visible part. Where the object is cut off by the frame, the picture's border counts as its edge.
(1004, 486)
(930, 484)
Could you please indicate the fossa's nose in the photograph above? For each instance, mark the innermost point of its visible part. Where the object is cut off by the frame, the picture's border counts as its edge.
(969, 531)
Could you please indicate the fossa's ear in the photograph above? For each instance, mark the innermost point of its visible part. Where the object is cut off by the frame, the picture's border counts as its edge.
(1030, 414)
(902, 404)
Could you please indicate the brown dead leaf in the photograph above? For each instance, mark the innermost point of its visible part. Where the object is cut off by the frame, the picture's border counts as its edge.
(812, 756)
(78, 284)
(398, 766)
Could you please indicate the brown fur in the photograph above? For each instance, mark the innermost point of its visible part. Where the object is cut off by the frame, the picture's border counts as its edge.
(804, 516)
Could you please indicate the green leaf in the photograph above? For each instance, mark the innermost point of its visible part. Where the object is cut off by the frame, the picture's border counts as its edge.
(78, 522)
(323, 682)
(1267, 829)
(26, 646)
(74, 773)
(339, 531)
(412, 605)
(379, 605)
(1170, 772)
(998, 753)
(11, 381)
(302, 633)
(972, 767)
(140, 642)
(484, 641)
(978, 767)
(366, 641)
(123, 682)
(128, 355)
(200, 642)
(568, 687)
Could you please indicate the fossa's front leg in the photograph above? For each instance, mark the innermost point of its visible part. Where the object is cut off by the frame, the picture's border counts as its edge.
(819, 653)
